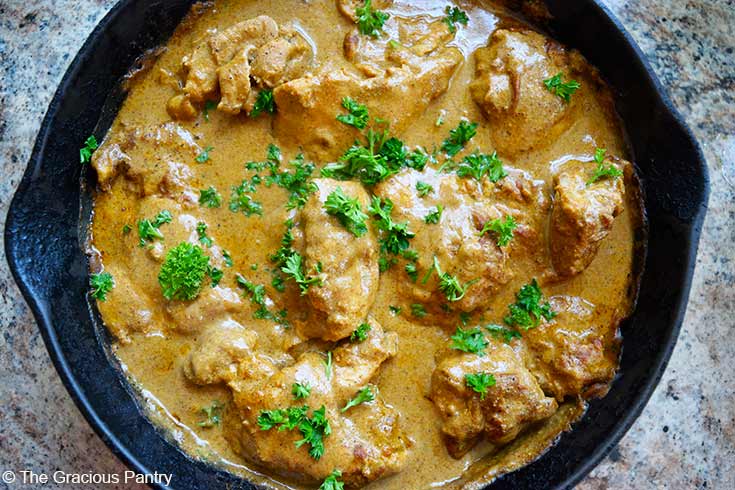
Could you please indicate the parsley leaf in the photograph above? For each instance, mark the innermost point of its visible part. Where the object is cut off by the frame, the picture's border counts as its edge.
(328, 365)
(411, 271)
(101, 284)
(458, 137)
(227, 258)
(85, 152)
(385, 262)
(363, 396)
(602, 171)
(332, 482)
(435, 216)
(149, 230)
(527, 311)
(358, 113)
(300, 391)
(502, 333)
(126, 229)
(479, 165)
(418, 310)
(424, 189)
(396, 310)
(563, 89)
(471, 340)
(264, 103)
(503, 230)
(449, 284)
(213, 413)
(347, 210)
(455, 16)
(210, 197)
(480, 382)
(204, 155)
(395, 236)
(370, 22)
(209, 105)
(202, 232)
(183, 271)
(360, 333)
(240, 200)
(295, 181)
(215, 275)
(314, 428)
(293, 268)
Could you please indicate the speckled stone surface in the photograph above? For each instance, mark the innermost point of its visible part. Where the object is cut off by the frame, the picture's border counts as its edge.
(685, 438)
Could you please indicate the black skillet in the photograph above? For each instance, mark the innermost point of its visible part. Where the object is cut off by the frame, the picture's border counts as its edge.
(48, 217)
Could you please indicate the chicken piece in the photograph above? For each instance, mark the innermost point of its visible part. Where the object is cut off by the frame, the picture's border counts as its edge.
(349, 265)
(397, 94)
(348, 7)
(576, 352)
(212, 303)
(154, 160)
(513, 402)
(365, 442)
(583, 214)
(479, 264)
(509, 88)
(227, 60)
(126, 309)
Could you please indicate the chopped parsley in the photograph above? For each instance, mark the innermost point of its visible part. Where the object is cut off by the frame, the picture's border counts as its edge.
(227, 258)
(360, 333)
(385, 262)
(213, 414)
(458, 137)
(241, 200)
(479, 165)
(435, 216)
(149, 230)
(209, 105)
(264, 103)
(424, 189)
(210, 197)
(332, 482)
(126, 229)
(101, 284)
(215, 275)
(370, 22)
(358, 114)
(527, 311)
(202, 232)
(471, 340)
(501, 333)
(502, 229)
(328, 365)
(314, 428)
(293, 268)
(455, 16)
(418, 310)
(480, 382)
(363, 396)
(411, 271)
(563, 89)
(448, 284)
(295, 181)
(85, 152)
(183, 272)
(300, 391)
(204, 155)
(396, 310)
(395, 236)
(347, 210)
(603, 171)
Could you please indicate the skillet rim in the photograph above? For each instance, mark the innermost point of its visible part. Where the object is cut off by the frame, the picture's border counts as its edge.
(38, 306)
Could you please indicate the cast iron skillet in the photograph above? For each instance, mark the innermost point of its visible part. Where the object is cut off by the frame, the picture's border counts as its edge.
(45, 231)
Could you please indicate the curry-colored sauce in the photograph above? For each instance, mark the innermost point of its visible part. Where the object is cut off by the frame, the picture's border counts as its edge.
(153, 361)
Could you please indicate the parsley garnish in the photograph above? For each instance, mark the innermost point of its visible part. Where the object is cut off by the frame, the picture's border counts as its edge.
(183, 271)
(358, 114)
(85, 152)
(563, 89)
(435, 216)
(328, 365)
(363, 396)
(602, 171)
(458, 137)
(257, 297)
(314, 428)
(347, 210)
(215, 275)
(101, 284)
(370, 22)
(293, 268)
(360, 333)
(395, 235)
(213, 414)
(300, 391)
(202, 232)
(241, 200)
(296, 182)
(149, 230)
(471, 340)
(527, 311)
(385, 262)
(418, 310)
(264, 103)
(126, 229)
(210, 197)
(204, 155)
(227, 258)
(331, 482)
(449, 284)
(502, 333)
(209, 105)
(455, 16)
(503, 230)
(480, 382)
(424, 189)
(479, 165)
(411, 271)
(396, 310)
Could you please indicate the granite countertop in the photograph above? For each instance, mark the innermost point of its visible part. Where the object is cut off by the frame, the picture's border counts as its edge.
(685, 437)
